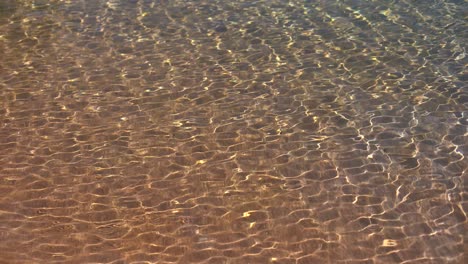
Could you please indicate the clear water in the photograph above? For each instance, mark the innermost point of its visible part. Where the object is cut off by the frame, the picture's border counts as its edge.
(153, 131)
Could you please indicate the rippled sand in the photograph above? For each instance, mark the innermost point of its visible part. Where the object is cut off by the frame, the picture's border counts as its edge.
(153, 131)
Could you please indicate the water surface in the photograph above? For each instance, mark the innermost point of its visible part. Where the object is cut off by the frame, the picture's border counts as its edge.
(153, 131)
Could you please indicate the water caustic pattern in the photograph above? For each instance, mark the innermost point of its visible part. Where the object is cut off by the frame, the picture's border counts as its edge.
(145, 131)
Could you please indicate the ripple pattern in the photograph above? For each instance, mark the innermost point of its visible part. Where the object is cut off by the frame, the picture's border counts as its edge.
(153, 131)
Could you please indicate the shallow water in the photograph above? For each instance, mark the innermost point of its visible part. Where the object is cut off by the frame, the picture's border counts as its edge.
(153, 131)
